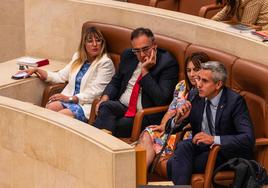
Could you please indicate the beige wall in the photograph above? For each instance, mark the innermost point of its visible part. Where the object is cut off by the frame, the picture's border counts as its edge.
(52, 27)
(41, 148)
(57, 34)
(12, 40)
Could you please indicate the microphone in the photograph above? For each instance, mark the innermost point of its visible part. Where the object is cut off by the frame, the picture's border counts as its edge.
(169, 128)
(171, 125)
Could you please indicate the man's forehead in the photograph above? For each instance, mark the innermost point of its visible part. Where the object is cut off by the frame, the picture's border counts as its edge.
(205, 74)
(141, 41)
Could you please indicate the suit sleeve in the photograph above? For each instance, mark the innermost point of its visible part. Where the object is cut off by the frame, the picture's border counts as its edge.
(113, 88)
(61, 76)
(244, 139)
(161, 90)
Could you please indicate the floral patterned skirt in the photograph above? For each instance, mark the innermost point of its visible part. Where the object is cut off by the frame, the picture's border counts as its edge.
(76, 110)
(158, 142)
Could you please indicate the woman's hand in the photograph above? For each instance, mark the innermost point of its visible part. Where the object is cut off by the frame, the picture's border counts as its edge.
(28, 71)
(183, 112)
(160, 128)
(58, 97)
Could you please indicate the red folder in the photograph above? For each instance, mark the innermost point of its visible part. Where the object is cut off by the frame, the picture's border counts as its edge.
(42, 63)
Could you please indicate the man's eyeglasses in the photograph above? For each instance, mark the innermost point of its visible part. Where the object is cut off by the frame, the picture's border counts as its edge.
(145, 50)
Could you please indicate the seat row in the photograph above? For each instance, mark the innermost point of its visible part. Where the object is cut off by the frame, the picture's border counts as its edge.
(202, 8)
(246, 77)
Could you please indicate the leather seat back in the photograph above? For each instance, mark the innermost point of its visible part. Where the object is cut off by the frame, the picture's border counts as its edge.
(215, 55)
(141, 2)
(193, 6)
(176, 47)
(118, 39)
(250, 79)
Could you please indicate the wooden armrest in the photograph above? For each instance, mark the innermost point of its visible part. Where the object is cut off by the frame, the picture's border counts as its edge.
(51, 90)
(141, 168)
(210, 165)
(205, 9)
(261, 142)
(136, 130)
(92, 115)
(153, 3)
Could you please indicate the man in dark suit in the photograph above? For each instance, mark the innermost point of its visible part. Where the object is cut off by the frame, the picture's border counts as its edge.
(217, 115)
(146, 78)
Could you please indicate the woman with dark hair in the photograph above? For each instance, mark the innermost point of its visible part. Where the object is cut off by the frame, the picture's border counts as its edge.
(253, 12)
(152, 138)
(89, 71)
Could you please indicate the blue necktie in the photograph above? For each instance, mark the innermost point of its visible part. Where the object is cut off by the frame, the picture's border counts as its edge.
(209, 117)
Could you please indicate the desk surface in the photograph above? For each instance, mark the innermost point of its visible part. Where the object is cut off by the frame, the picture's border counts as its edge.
(163, 186)
(10, 67)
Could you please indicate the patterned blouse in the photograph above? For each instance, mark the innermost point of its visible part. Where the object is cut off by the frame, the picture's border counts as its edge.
(253, 12)
(76, 108)
(157, 139)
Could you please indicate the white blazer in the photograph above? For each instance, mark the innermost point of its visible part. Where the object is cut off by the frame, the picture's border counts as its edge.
(93, 82)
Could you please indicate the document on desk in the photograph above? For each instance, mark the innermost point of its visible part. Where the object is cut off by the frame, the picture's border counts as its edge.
(32, 62)
(243, 28)
(262, 34)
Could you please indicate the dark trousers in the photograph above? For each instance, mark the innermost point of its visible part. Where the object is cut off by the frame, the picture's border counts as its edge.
(188, 158)
(111, 117)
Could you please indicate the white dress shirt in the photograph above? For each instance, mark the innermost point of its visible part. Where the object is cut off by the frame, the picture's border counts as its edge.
(125, 97)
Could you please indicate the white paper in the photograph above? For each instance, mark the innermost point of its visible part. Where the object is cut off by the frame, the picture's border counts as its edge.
(28, 60)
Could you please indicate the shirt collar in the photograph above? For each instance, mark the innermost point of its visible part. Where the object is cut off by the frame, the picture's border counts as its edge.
(215, 100)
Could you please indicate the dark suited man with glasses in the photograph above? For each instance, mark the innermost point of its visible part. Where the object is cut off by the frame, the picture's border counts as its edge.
(146, 78)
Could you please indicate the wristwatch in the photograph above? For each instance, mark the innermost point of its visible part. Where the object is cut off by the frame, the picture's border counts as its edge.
(71, 99)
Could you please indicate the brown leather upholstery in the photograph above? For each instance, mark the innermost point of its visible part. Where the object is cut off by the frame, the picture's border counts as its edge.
(50, 90)
(165, 4)
(215, 55)
(144, 2)
(250, 79)
(168, 4)
(247, 77)
(208, 11)
(193, 6)
(176, 47)
(185, 6)
(118, 39)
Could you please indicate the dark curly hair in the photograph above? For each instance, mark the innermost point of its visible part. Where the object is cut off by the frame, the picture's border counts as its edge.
(231, 3)
(197, 58)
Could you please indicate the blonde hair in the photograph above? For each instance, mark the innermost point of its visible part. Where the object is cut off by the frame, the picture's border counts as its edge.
(82, 53)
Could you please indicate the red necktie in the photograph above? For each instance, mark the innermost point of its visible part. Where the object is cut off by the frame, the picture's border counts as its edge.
(132, 106)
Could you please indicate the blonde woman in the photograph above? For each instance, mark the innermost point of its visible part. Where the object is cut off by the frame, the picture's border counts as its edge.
(89, 71)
